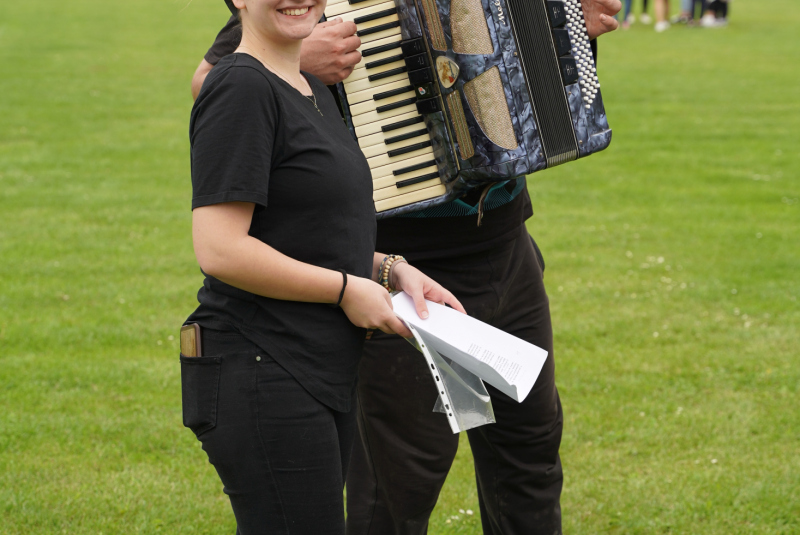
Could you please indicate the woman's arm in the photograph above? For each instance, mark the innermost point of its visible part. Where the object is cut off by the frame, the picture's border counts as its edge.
(226, 251)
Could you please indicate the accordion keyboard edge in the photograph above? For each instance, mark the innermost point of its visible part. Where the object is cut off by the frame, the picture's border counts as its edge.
(452, 95)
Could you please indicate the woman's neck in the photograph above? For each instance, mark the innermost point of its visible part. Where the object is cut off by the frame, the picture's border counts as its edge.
(282, 58)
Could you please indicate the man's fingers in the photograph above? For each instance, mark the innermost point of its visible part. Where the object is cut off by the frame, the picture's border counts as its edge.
(329, 22)
(346, 28)
(351, 44)
(610, 23)
(351, 59)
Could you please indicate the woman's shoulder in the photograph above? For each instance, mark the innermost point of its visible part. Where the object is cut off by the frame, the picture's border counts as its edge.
(239, 75)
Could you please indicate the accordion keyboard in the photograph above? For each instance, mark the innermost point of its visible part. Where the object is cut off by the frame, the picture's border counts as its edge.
(383, 105)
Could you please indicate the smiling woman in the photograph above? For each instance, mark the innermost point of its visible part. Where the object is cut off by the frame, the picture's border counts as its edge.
(284, 230)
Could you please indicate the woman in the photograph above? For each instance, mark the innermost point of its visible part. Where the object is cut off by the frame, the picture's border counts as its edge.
(284, 230)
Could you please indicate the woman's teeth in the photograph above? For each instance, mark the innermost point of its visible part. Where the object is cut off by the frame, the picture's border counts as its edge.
(295, 12)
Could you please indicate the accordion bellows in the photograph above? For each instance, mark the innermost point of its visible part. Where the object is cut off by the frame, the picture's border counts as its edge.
(454, 95)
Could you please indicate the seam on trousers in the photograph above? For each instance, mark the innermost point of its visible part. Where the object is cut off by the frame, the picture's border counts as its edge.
(498, 297)
(266, 455)
(371, 464)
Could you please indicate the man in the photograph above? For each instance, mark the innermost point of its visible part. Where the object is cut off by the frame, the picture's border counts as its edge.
(495, 269)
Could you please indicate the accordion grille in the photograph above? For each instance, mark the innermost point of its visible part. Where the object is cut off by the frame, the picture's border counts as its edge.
(434, 24)
(487, 100)
(465, 146)
(469, 29)
(541, 68)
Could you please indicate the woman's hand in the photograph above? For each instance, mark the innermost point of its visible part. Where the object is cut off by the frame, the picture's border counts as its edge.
(368, 305)
(421, 287)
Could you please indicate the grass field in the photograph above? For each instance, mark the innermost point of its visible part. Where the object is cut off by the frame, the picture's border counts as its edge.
(672, 267)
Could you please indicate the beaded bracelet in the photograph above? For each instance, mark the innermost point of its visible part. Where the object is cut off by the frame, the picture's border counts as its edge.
(385, 268)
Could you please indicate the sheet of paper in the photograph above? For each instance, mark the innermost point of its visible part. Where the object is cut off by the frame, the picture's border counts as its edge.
(504, 361)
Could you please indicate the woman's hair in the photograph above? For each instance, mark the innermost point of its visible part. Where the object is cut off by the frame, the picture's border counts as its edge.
(232, 7)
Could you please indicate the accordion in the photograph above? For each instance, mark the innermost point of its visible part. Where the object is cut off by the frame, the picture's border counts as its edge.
(453, 95)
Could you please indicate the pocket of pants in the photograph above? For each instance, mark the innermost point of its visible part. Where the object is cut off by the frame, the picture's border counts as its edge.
(199, 392)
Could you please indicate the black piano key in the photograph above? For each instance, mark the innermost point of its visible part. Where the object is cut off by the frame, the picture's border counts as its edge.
(410, 148)
(384, 61)
(415, 180)
(412, 168)
(378, 15)
(386, 74)
(424, 90)
(413, 47)
(569, 70)
(401, 124)
(393, 92)
(395, 105)
(419, 61)
(557, 13)
(376, 29)
(420, 76)
(561, 39)
(430, 105)
(379, 49)
(351, 2)
(403, 137)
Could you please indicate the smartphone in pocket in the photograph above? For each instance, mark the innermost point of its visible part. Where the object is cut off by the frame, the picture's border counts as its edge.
(191, 344)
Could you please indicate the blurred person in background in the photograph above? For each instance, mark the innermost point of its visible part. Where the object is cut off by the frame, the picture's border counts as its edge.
(716, 15)
(629, 18)
(690, 9)
(662, 11)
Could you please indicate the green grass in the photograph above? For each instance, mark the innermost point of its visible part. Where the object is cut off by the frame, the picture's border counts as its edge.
(686, 227)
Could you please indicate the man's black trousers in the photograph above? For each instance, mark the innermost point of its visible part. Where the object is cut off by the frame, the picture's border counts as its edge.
(405, 450)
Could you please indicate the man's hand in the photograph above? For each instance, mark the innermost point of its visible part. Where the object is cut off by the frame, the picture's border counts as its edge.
(330, 52)
(599, 15)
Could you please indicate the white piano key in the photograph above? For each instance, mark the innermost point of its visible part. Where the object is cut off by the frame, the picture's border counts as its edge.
(372, 105)
(372, 116)
(394, 191)
(390, 180)
(361, 85)
(387, 170)
(384, 159)
(360, 74)
(380, 42)
(373, 128)
(376, 150)
(360, 96)
(376, 57)
(408, 198)
(378, 138)
(377, 22)
(375, 8)
(380, 35)
(340, 8)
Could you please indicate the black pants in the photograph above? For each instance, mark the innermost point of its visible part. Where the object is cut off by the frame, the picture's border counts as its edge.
(400, 464)
(281, 455)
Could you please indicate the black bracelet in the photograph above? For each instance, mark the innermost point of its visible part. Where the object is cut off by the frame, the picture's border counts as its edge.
(344, 285)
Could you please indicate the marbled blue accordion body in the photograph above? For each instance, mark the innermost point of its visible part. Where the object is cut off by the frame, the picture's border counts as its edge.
(503, 88)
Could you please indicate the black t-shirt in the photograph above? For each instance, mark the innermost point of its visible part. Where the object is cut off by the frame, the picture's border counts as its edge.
(254, 138)
(428, 237)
